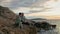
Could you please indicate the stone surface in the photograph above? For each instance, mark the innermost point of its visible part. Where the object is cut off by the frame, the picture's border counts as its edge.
(7, 19)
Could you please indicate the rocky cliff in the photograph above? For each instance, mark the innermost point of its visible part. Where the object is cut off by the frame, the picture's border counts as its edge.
(7, 19)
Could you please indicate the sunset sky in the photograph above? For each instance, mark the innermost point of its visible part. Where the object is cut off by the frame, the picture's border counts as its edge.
(49, 9)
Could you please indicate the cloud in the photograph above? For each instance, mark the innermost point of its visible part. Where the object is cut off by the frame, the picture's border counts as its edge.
(26, 6)
(5, 3)
(52, 11)
(14, 4)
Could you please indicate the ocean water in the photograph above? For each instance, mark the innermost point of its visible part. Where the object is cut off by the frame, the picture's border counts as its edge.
(55, 22)
(48, 32)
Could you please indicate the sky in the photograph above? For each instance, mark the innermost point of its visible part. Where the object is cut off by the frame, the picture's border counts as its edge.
(49, 9)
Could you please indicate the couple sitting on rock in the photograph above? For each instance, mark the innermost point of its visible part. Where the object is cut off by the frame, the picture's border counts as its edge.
(19, 20)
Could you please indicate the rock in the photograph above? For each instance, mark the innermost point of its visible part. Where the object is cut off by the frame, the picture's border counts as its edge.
(7, 19)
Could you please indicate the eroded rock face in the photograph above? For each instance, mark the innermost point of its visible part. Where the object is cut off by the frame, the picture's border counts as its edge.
(7, 13)
(6, 16)
(7, 19)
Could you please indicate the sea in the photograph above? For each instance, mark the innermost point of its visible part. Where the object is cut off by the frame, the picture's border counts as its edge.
(53, 22)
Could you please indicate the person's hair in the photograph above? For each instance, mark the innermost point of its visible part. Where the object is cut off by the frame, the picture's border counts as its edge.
(20, 13)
